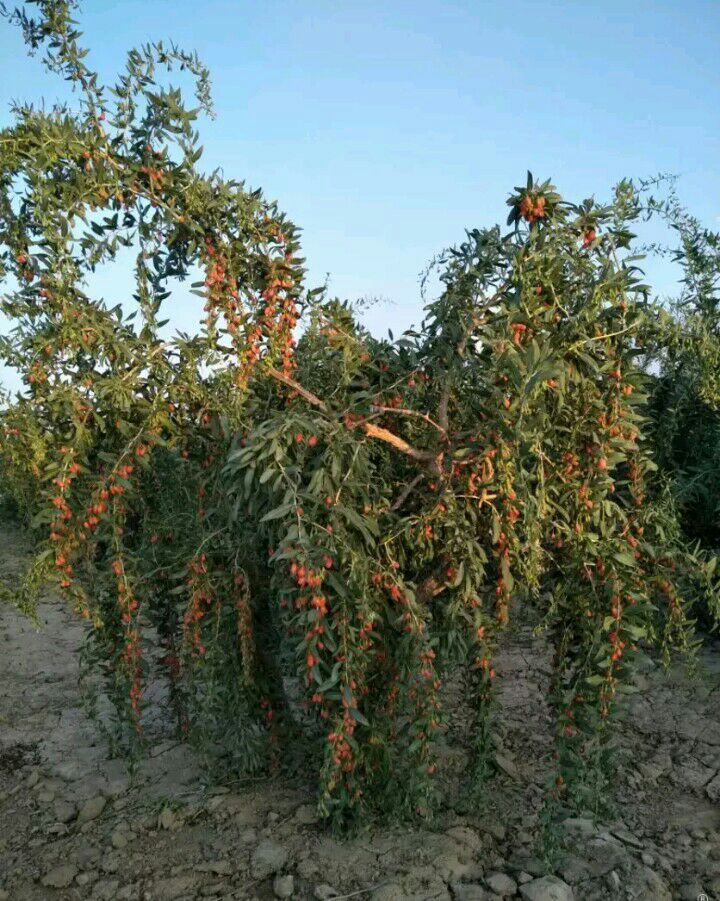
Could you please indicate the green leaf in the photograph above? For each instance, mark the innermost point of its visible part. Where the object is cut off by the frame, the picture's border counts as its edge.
(358, 717)
(277, 513)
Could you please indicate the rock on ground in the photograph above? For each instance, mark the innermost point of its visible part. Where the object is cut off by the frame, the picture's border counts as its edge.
(547, 888)
(269, 857)
(60, 877)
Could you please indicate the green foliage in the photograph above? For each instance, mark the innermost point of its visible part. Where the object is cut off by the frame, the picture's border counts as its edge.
(685, 402)
(303, 542)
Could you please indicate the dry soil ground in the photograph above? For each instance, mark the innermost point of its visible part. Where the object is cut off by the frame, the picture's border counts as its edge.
(74, 825)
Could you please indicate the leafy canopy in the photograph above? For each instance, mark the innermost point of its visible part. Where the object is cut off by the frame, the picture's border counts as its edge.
(304, 535)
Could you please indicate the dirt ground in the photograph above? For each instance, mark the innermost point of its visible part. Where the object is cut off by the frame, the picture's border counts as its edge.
(75, 825)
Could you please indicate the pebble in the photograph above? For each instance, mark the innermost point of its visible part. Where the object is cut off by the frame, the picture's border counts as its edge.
(109, 864)
(548, 888)
(492, 827)
(284, 886)
(389, 892)
(325, 892)
(118, 786)
(465, 836)
(215, 804)
(306, 814)
(501, 884)
(268, 858)
(469, 891)
(691, 891)
(65, 811)
(91, 809)
(118, 839)
(507, 766)
(86, 855)
(169, 819)
(60, 877)
(173, 887)
(627, 838)
(106, 889)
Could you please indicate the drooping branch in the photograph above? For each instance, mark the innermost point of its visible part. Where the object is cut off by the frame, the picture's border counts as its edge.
(443, 406)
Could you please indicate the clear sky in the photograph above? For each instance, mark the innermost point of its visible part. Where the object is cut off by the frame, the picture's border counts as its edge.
(386, 128)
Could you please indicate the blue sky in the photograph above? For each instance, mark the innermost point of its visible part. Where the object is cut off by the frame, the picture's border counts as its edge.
(386, 128)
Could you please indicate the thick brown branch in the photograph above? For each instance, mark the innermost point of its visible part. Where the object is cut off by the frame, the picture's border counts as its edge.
(429, 458)
(405, 494)
(297, 387)
(376, 431)
(376, 408)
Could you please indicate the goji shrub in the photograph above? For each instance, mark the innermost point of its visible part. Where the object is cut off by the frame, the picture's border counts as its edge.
(303, 533)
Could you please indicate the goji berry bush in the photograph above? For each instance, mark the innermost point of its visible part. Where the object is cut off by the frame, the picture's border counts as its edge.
(301, 529)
